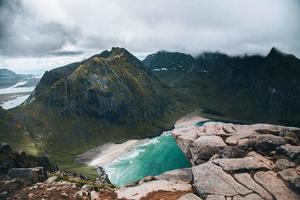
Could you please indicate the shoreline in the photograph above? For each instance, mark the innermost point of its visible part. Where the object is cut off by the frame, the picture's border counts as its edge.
(105, 154)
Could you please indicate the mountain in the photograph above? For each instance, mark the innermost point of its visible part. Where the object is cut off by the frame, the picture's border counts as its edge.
(9, 78)
(169, 65)
(109, 97)
(169, 61)
(112, 86)
(253, 88)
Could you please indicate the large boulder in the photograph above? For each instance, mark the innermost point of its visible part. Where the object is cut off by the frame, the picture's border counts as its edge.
(267, 142)
(270, 181)
(291, 151)
(249, 163)
(142, 190)
(28, 175)
(205, 147)
(246, 179)
(232, 152)
(211, 179)
(184, 175)
(102, 176)
(10, 159)
(292, 176)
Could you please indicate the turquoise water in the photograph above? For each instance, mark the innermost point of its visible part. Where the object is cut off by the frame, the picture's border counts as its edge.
(156, 156)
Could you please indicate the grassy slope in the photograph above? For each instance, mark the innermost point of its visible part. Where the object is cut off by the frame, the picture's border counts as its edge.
(62, 138)
(241, 87)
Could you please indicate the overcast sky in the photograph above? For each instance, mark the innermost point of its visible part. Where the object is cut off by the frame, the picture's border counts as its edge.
(42, 34)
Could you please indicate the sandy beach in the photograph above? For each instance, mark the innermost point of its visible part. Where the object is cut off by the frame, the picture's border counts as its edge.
(105, 154)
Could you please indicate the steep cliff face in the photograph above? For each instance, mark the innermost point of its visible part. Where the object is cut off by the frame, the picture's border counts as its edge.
(254, 88)
(112, 86)
(110, 97)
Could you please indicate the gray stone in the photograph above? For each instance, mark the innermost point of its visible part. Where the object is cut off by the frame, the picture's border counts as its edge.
(205, 147)
(251, 196)
(82, 194)
(185, 140)
(211, 179)
(262, 159)
(247, 181)
(216, 156)
(28, 175)
(139, 191)
(291, 176)
(275, 186)
(290, 150)
(241, 164)
(87, 187)
(215, 197)
(241, 137)
(232, 152)
(284, 163)
(266, 143)
(184, 175)
(216, 128)
(189, 196)
(291, 137)
(102, 176)
(94, 195)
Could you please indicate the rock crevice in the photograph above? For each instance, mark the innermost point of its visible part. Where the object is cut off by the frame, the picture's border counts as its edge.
(232, 161)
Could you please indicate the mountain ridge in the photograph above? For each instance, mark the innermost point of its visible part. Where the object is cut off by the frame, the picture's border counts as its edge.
(255, 88)
(109, 97)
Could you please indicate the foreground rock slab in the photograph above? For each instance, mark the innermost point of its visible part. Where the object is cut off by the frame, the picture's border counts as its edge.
(139, 191)
(275, 186)
(242, 162)
(189, 196)
(211, 179)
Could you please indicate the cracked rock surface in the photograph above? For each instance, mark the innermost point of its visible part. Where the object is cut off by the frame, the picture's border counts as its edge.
(241, 162)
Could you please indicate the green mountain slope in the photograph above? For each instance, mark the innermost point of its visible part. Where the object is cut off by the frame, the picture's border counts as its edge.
(110, 97)
(253, 88)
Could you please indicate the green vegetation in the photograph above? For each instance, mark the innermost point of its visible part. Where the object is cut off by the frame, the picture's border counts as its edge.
(248, 88)
(110, 97)
(81, 182)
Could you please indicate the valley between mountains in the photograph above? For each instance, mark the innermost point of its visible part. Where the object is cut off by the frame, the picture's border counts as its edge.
(172, 126)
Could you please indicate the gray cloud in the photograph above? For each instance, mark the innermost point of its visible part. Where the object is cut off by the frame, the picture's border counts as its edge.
(22, 33)
(34, 27)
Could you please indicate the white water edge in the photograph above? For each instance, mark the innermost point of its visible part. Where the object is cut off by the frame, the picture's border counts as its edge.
(107, 153)
(16, 89)
(14, 102)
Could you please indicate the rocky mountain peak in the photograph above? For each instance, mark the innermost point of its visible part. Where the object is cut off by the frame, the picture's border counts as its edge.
(275, 52)
(112, 85)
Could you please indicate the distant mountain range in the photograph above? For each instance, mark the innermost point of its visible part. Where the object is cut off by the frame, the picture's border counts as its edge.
(9, 78)
(254, 88)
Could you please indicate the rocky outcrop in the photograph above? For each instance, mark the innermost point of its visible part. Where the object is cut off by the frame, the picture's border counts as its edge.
(142, 190)
(63, 185)
(28, 175)
(18, 170)
(232, 161)
(10, 159)
(102, 176)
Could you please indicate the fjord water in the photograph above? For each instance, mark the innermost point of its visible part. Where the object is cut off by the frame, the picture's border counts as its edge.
(152, 158)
